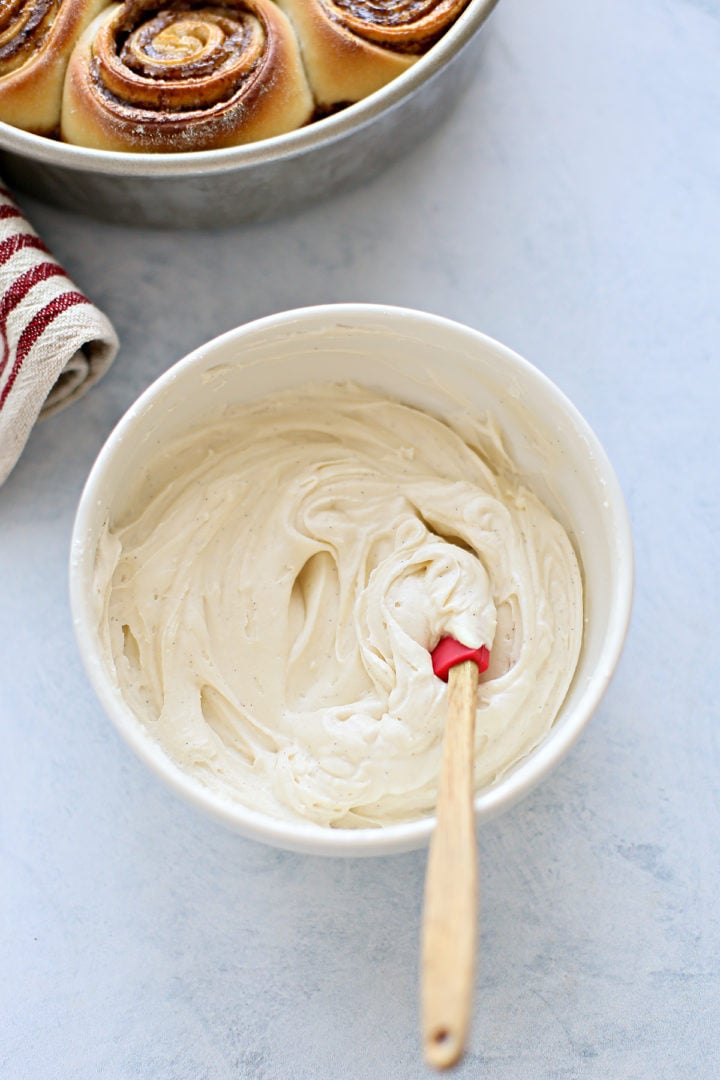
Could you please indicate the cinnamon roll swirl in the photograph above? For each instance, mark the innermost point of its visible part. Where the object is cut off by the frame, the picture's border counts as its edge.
(185, 75)
(36, 39)
(353, 47)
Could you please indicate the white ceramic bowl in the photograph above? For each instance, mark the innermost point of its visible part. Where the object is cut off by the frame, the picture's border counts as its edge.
(427, 361)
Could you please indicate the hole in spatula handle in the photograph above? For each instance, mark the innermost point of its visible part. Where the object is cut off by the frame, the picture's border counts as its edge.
(442, 1049)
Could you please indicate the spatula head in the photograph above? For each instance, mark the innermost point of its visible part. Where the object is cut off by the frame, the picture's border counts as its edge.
(449, 652)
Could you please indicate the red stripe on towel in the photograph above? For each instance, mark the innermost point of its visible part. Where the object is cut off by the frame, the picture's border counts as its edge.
(7, 210)
(34, 329)
(22, 285)
(16, 243)
(16, 293)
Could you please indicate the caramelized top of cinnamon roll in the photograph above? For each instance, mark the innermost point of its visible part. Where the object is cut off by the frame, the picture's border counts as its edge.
(23, 27)
(180, 56)
(189, 42)
(185, 75)
(405, 25)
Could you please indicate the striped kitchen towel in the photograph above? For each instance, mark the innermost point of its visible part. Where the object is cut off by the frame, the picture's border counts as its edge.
(54, 344)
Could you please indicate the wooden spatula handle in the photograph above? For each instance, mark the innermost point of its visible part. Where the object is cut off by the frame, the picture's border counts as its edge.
(450, 909)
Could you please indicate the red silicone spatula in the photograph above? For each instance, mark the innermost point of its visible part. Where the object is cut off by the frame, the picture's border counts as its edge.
(450, 911)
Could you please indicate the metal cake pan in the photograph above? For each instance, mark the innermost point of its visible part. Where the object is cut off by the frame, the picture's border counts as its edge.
(259, 180)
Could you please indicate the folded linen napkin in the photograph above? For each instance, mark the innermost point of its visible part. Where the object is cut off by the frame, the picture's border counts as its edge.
(54, 344)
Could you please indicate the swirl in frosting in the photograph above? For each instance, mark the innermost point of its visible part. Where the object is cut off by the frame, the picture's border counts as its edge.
(268, 606)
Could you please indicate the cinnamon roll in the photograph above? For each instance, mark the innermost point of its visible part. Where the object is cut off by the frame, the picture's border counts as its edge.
(36, 39)
(353, 47)
(185, 75)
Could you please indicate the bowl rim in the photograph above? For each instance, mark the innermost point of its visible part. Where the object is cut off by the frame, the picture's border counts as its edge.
(309, 837)
(41, 148)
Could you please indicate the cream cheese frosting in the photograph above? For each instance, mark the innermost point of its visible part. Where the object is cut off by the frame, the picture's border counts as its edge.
(268, 607)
